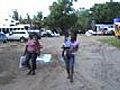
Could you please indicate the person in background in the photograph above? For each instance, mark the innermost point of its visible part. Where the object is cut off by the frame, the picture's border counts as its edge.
(32, 49)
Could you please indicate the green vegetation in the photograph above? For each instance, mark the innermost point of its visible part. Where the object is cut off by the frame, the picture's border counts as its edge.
(105, 12)
(64, 16)
(111, 41)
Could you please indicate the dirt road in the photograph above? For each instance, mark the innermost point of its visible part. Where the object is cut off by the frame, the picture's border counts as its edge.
(96, 68)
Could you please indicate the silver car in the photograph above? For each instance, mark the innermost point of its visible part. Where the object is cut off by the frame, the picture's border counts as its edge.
(20, 35)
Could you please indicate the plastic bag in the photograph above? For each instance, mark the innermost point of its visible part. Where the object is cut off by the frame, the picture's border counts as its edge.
(22, 62)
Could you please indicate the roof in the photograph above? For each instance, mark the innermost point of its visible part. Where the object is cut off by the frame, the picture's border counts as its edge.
(103, 24)
(17, 26)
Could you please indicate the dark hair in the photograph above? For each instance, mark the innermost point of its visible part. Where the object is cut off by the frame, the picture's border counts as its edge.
(67, 35)
(73, 36)
(30, 36)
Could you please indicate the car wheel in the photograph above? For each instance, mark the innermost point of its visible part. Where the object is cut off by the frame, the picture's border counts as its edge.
(22, 39)
(5, 41)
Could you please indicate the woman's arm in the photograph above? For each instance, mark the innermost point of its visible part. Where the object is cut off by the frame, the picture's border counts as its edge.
(77, 47)
(39, 46)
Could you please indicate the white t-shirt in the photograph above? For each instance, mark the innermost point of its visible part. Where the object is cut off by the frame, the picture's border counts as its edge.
(67, 43)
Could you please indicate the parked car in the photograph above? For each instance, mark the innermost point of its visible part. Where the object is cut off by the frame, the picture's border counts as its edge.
(43, 33)
(21, 35)
(3, 38)
(56, 34)
(90, 33)
(49, 33)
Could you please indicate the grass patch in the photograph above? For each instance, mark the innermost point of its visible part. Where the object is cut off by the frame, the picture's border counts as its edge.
(111, 41)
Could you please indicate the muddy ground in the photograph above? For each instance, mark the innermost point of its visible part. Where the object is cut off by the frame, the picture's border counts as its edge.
(97, 67)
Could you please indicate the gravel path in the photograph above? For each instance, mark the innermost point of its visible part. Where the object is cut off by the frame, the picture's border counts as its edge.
(96, 68)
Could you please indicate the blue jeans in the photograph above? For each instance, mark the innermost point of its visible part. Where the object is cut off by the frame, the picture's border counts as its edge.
(32, 57)
(69, 60)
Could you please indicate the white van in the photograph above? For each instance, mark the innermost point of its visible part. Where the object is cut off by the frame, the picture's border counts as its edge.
(20, 35)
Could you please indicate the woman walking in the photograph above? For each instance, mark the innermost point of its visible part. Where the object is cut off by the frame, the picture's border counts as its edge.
(70, 56)
(31, 51)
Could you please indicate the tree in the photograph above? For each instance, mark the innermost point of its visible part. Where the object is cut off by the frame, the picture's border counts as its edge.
(28, 19)
(105, 12)
(20, 19)
(83, 21)
(15, 15)
(111, 0)
(61, 15)
(39, 16)
(37, 20)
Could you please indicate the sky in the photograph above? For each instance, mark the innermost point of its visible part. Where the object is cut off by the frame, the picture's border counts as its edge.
(32, 6)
